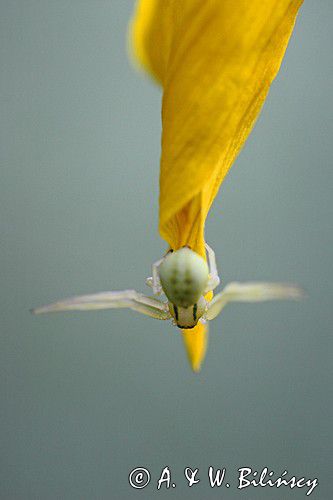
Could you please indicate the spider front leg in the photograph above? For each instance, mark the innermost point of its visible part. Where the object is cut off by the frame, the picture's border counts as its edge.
(154, 281)
(214, 279)
(110, 300)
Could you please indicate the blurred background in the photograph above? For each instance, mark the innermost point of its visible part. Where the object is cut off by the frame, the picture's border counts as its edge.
(85, 398)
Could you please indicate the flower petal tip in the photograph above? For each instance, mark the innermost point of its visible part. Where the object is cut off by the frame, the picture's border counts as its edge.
(195, 341)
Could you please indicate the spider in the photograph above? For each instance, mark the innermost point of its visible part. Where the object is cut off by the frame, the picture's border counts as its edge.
(185, 278)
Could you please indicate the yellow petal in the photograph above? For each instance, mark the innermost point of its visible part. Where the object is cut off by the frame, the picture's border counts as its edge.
(196, 343)
(146, 45)
(215, 60)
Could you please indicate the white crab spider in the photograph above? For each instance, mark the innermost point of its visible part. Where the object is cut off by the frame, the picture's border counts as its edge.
(185, 278)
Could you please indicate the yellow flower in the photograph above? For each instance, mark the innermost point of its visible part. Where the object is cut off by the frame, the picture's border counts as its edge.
(215, 60)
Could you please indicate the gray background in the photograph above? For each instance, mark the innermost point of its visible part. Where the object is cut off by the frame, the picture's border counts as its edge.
(85, 398)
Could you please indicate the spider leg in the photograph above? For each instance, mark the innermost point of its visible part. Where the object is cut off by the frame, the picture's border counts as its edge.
(252, 292)
(110, 300)
(214, 279)
(154, 281)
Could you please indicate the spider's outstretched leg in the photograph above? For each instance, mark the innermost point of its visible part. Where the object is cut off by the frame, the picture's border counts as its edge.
(252, 292)
(110, 300)
(154, 281)
(214, 279)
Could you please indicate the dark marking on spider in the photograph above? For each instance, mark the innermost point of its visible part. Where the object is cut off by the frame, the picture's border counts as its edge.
(195, 309)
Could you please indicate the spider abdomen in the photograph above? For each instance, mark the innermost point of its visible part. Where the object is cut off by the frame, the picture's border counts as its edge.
(184, 276)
